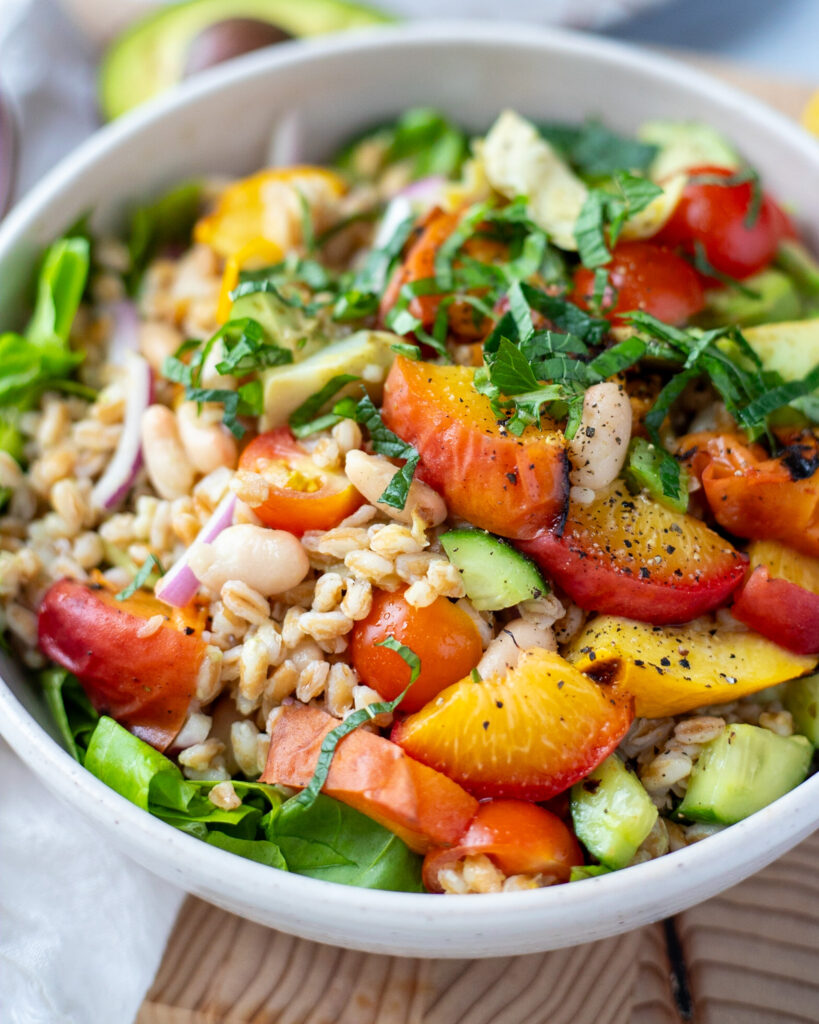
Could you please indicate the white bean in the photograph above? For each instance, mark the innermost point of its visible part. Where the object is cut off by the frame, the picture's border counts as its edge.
(370, 474)
(269, 561)
(208, 444)
(598, 449)
(157, 341)
(169, 469)
(520, 635)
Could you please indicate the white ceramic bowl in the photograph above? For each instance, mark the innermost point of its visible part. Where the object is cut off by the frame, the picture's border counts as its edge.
(221, 123)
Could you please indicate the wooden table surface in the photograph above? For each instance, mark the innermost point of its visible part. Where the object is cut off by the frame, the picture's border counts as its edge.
(748, 956)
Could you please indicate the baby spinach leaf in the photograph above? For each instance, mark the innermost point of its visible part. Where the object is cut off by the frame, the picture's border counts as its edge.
(331, 841)
(259, 850)
(72, 711)
(126, 763)
(60, 285)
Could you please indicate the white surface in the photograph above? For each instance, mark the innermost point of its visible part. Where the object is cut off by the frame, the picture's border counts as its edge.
(471, 70)
(83, 927)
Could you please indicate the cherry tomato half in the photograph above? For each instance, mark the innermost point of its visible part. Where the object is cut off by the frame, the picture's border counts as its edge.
(442, 635)
(646, 277)
(300, 496)
(521, 838)
(717, 216)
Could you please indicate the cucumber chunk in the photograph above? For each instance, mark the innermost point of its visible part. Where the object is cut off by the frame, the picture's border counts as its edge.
(802, 700)
(612, 813)
(743, 770)
(495, 574)
(643, 473)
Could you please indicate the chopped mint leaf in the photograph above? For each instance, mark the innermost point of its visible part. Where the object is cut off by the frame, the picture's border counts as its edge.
(150, 564)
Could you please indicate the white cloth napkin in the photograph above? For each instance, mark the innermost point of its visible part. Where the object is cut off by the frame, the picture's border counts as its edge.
(82, 927)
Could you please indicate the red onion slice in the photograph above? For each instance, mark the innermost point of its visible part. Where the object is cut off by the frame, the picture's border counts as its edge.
(125, 332)
(121, 471)
(424, 190)
(8, 154)
(178, 586)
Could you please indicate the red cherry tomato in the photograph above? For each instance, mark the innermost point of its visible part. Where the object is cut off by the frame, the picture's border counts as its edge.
(442, 635)
(646, 277)
(717, 217)
(301, 496)
(521, 838)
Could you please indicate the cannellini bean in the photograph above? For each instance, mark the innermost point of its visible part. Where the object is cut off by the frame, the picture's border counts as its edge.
(598, 449)
(169, 469)
(157, 341)
(269, 561)
(208, 444)
(370, 474)
(504, 652)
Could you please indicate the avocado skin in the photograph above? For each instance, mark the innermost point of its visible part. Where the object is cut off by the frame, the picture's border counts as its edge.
(775, 299)
(151, 56)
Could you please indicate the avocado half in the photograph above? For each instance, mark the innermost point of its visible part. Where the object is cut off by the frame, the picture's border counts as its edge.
(154, 54)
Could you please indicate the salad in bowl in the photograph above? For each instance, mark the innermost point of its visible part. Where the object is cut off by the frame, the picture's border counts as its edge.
(440, 519)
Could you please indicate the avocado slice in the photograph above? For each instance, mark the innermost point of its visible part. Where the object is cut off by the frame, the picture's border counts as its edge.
(802, 268)
(766, 298)
(790, 348)
(684, 144)
(155, 53)
(368, 354)
(283, 325)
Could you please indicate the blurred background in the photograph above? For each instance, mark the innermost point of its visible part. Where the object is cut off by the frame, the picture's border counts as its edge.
(53, 93)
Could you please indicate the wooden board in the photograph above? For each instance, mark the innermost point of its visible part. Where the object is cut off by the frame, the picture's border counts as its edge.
(749, 956)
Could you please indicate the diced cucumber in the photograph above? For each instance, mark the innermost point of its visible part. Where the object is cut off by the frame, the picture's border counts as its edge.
(802, 700)
(642, 472)
(612, 813)
(743, 770)
(495, 574)
(587, 871)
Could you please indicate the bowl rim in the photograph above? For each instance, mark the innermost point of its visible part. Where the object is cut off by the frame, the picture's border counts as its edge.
(240, 878)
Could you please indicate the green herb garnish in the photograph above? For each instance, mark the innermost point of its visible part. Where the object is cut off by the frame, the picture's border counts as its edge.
(606, 210)
(150, 564)
(304, 421)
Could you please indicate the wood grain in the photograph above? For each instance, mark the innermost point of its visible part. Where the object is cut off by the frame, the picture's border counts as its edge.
(750, 954)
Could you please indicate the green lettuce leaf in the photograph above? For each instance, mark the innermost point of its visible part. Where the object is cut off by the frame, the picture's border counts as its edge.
(331, 841)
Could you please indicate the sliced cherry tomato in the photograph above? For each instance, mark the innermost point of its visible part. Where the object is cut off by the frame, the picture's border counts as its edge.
(521, 838)
(371, 774)
(764, 498)
(513, 486)
(146, 683)
(300, 495)
(628, 555)
(780, 597)
(645, 277)
(530, 733)
(719, 218)
(443, 636)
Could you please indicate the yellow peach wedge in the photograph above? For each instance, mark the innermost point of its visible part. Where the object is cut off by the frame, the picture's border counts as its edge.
(671, 669)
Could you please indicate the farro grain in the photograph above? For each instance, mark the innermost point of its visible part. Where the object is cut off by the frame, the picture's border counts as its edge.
(244, 742)
(244, 602)
(150, 626)
(312, 680)
(347, 435)
(481, 875)
(357, 601)
(325, 625)
(224, 796)
(208, 679)
(328, 592)
(780, 722)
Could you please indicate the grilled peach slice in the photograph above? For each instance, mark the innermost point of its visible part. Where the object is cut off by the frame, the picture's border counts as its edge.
(146, 683)
(627, 555)
(512, 486)
(675, 669)
(780, 596)
(371, 774)
(530, 733)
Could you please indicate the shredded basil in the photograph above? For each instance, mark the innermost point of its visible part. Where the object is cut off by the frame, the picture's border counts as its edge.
(150, 564)
(304, 421)
(606, 210)
(595, 150)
